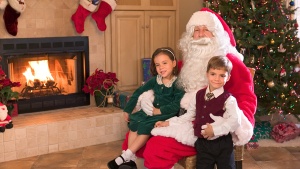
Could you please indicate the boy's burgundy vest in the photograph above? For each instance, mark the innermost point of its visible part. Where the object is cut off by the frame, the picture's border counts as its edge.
(204, 108)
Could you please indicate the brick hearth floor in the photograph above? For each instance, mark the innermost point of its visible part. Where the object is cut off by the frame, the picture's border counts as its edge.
(88, 137)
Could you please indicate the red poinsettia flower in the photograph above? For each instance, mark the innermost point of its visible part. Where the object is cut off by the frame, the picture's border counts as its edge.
(100, 80)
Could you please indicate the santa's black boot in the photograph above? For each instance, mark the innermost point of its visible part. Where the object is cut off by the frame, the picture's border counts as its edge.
(2, 129)
(9, 125)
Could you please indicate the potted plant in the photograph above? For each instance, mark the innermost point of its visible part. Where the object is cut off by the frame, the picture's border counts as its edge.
(101, 85)
(6, 92)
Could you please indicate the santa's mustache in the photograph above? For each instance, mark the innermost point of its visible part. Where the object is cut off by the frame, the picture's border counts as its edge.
(201, 41)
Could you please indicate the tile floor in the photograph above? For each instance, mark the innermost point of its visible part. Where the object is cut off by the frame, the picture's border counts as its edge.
(96, 157)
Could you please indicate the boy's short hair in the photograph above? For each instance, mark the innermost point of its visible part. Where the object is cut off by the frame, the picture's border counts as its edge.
(219, 62)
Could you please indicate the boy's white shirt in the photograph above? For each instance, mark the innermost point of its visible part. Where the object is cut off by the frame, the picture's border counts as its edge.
(184, 132)
(232, 115)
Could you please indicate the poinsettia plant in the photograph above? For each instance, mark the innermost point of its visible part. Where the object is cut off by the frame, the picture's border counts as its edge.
(100, 80)
(6, 85)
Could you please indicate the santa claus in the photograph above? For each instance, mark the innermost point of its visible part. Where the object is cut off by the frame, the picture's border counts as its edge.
(5, 119)
(170, 144)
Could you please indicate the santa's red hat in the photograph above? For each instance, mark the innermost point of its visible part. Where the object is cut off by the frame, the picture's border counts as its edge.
(214, 23)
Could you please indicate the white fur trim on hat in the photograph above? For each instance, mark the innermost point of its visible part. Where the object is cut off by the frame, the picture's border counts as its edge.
(86, 4)
(233, 50)
(3, 4)
(19, 6)
(112, 3)
(206, 18)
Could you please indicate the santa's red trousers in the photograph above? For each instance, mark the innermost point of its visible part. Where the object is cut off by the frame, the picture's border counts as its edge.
(162, 152)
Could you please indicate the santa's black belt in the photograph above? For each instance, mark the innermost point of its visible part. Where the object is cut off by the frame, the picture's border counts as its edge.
(182, 111)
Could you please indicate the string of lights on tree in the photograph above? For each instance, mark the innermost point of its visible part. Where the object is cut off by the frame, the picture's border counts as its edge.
(266, 34)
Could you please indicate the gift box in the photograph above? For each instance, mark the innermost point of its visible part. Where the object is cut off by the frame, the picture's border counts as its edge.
(121, 98)
(284, 132)
(146, 69)
(252, 145)
(12, 108)
(262, 130)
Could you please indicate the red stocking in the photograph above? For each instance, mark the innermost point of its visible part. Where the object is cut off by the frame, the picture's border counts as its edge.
(84, 9)
(105, 8)
(11, 14)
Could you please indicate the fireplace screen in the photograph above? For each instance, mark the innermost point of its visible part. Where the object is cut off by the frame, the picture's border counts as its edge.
(44, 75)
(52, 71)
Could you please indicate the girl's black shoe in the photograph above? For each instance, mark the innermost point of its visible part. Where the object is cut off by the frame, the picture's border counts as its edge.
(113, 165)
(128, 165)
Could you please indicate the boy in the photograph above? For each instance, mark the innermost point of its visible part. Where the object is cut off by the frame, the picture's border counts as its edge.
(214, 143)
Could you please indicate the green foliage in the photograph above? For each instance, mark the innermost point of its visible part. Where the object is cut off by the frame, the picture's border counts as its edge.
(267, 33)
(6, 94)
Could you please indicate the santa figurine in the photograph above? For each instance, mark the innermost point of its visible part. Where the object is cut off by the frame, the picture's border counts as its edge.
(5, 119)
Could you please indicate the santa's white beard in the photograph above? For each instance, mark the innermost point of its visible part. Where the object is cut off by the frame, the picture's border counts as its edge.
(3, 113)
(192, 76)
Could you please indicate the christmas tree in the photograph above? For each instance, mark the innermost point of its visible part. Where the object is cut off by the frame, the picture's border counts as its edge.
(266, 34)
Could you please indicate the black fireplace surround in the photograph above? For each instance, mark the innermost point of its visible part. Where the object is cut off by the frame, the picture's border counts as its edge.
(16, 48)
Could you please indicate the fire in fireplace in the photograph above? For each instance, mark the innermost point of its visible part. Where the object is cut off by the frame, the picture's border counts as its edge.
(51, 71)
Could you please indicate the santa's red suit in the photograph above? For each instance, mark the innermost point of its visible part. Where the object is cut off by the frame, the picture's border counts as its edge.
(165, 149)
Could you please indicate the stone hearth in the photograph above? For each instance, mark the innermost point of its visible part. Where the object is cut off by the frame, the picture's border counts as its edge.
(58, 130)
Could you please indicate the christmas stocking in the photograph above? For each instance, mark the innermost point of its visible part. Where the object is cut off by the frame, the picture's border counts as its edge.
(11, 14)
(3, 4)
(105, 8)
(85, 7)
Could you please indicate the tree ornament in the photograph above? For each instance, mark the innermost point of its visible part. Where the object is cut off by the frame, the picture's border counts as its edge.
(232, 29)
(297, 68)
(282, 31)
(242, 51)
(252, 59)
(292, 3)
(285, 85)
(271, 84)
(293, 93)
(271, 50)
(282, 73)
(281, 49)
(250, 21)
(282, 96)
(272, 41)
(296, 25)
(274, 30)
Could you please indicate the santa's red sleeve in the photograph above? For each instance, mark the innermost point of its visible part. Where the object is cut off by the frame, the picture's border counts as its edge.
(241, 86)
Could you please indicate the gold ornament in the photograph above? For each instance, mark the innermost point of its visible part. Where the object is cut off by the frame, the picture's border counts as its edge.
(272, 41)
(250, 21)
(271, 84)
(282, 96)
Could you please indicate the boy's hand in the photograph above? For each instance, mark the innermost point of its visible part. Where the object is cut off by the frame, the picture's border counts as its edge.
(126, 116)
(207, 131)
(161, 124)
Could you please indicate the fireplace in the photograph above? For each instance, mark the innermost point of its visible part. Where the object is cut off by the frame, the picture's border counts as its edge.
(52, 71)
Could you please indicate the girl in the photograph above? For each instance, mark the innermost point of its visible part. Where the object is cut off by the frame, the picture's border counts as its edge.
(166, 104)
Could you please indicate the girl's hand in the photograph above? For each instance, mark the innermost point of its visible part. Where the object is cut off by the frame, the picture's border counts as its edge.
(126, 116)
(156, 111)
(161, 124)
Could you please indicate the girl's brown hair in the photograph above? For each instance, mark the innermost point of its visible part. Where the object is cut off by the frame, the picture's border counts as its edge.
(167, 51)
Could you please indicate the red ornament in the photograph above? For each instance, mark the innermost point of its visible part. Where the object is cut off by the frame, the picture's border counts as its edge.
(282, 73)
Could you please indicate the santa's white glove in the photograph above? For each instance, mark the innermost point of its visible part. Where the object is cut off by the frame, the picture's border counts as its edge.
(147, 106)
(217, 121)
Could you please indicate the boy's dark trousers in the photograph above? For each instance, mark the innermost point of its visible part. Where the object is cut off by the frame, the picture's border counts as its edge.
(215, 152)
